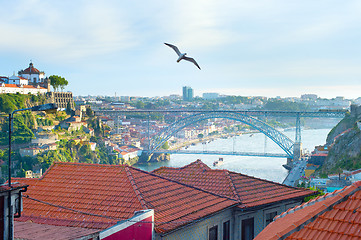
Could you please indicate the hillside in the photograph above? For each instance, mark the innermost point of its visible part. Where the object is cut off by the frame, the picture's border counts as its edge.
(344, 142)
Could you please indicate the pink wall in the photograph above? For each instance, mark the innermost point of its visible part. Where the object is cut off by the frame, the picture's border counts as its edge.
(139, 227)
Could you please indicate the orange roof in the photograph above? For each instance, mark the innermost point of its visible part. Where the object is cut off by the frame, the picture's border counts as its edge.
(249, 191)
(14, 185)
(335, 215)
(30, 69)
(24, 86)
(30, 230)
(98, 196)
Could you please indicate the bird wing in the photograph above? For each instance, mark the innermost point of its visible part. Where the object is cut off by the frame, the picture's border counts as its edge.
(192, 60)
(174, 48)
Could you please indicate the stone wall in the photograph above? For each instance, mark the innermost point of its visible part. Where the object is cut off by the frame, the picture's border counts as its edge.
(61, 99)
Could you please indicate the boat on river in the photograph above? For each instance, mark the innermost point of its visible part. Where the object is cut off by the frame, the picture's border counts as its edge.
(218, 162)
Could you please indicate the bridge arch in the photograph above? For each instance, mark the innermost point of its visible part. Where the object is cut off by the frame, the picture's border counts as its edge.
(276, 136)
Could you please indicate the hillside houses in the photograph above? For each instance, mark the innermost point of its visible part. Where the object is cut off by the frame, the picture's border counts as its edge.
(125, 152)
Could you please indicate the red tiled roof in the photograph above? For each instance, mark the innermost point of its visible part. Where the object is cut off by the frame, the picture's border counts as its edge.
(30, 70)
(248, 191)
(98, 196)
(34, 231)
(14, 185)
(24, 86)
(335, 215)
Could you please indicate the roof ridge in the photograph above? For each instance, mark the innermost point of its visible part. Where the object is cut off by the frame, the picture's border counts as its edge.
(203, 166)
(264, 180)
(135, 188)
(184, 184)
(233, 187)
(342, 197)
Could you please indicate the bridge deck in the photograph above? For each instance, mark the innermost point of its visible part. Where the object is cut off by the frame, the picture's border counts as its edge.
(255, 154)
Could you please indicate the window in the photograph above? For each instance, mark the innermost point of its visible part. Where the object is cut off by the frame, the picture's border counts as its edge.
(213, 233)
(270, 216)
(226, 230)
(248, 229)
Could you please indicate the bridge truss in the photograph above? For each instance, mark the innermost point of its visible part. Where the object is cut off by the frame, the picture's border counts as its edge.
(247, 116)
(279, 138)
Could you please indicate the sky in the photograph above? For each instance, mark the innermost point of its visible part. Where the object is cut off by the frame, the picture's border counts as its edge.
(248, 48)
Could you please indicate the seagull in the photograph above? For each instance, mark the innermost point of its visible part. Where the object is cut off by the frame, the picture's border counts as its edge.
(182, 55)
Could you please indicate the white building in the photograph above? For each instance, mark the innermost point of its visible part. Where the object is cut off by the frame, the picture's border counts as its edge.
(30, 80)
(32, 74)
(23, 89)
(18, 80)
(210, 95)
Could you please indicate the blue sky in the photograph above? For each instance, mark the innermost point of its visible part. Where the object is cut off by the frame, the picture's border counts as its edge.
(249, 48)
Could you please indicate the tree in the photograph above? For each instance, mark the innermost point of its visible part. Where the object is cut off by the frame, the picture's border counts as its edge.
(89, 112)
(69, 110)
(58, 81)
(165, 146)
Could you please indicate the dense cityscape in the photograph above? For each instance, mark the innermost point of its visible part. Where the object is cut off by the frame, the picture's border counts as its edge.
(196, 120)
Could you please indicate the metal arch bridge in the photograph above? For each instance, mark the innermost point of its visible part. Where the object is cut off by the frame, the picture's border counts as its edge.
(279, 138)
(243, 116)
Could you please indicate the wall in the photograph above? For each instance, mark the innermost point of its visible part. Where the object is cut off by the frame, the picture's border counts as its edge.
(199, 230)
(61, 99)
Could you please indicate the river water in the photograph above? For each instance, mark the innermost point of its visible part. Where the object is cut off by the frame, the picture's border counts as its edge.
(269, 168)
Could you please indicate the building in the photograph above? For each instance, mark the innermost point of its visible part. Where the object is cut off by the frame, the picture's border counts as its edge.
(336, 215)
(15, 194)
(33, 75)
(62, 99)
(22, 89)
(312, 97)
(193, 202)
(210, 96)
(188, 93)
(30, 80)
(258, 200)
(31, 151)
(92, 198)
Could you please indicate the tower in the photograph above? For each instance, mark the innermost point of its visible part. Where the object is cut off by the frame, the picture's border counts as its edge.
(188, 93)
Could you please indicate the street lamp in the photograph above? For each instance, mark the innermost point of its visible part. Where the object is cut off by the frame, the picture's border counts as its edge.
(49, 108)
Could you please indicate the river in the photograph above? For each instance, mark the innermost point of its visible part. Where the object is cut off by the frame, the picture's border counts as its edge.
(269, 168)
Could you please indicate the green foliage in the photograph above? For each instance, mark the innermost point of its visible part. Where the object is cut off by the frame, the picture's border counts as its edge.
(165, 145)
(10, 102)
(213, 133)
(44, 122)
(21, 132)
(60, 116)
(89, 112)
(69, 109)
(346, 162)
(58, 81)
(319, 193)
(285, 106)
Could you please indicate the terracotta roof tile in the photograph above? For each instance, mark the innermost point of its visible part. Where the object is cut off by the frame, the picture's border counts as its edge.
(98, 196)
(248, 191)
(29, 230)
(332, 216)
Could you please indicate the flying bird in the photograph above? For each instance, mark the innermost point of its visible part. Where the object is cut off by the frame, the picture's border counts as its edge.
(182, 55)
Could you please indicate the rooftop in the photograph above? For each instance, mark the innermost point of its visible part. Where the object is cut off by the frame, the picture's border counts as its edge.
(249, 191)
(98, 196)
(336, 215)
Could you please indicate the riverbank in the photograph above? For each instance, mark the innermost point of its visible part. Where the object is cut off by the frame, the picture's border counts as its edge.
(208, 139)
